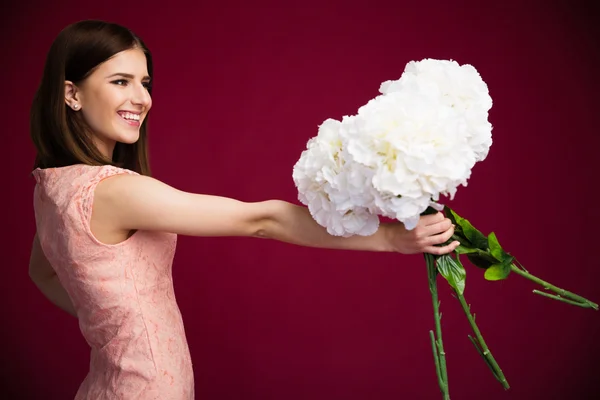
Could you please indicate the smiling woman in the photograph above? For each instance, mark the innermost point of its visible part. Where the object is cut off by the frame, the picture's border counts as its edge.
(106, 231)
(114, 104)
(94, 72)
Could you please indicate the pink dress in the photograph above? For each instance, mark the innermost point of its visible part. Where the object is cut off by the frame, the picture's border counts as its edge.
(123, 293)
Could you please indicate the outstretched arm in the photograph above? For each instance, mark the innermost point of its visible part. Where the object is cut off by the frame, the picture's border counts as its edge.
(44, 277)
(131, 202)
(294, 224)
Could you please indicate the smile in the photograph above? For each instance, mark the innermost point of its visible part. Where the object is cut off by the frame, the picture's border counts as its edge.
(130, 117)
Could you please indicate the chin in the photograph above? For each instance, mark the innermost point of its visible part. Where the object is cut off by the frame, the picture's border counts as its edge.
(128, 138)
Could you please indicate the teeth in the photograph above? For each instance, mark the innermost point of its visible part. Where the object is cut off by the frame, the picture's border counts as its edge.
(133, 117)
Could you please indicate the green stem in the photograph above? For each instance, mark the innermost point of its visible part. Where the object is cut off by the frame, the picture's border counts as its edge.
(465, 242)
(483, 348)
(436, 360)
(562, 294)
(438, 347)
(555, 297)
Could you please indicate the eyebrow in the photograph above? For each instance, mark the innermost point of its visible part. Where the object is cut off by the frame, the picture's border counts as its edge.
(129, 76)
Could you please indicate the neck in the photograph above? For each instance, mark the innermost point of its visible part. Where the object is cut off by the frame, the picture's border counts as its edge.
(106, 147)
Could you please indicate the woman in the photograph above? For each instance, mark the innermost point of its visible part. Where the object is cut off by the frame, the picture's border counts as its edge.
(106, 230)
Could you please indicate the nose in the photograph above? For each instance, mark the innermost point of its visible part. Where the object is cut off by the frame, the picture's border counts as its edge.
(140, 96)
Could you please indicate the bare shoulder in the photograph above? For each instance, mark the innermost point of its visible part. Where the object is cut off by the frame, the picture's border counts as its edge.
(127, 196)
(111, 195)
(117, 186)
(121, 201)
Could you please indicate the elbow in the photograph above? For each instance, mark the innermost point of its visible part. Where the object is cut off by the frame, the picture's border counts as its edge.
(261, 234)
(264, 229)
(265, 224)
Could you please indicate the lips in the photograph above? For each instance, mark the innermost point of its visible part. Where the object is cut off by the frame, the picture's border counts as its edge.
(130, 117)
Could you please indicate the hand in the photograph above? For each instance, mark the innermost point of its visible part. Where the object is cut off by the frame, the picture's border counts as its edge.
(431, 230)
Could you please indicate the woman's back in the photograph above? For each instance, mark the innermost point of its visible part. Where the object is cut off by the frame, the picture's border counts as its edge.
(122, 293)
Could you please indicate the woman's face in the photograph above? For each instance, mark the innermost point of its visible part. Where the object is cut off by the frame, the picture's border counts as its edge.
(114, 99)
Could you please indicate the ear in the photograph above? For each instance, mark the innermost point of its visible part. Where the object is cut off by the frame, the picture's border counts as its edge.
(72, 98)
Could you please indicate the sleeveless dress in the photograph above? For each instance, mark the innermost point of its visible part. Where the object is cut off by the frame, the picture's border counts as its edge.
(123, 293)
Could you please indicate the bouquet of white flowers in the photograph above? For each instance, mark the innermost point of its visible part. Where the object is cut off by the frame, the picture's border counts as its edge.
(417, 140)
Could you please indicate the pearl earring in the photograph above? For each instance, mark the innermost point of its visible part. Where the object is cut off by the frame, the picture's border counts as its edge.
(75, 106)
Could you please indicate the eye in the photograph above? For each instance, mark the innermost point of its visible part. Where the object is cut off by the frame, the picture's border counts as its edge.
(120, 82)
(147, 85)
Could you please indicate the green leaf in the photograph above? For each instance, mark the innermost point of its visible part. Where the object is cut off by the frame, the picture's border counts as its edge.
(453, 271)
(497, 272)
(496, 250)
(474, 236)
(451, 215)
(464, 250)
(479, 261)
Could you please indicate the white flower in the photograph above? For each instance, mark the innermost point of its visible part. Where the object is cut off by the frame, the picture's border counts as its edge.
(332, 189)
(460, 87)
(400, 152)
(415, 144)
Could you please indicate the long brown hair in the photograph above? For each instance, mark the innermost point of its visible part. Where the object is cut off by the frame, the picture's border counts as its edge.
(61, 135)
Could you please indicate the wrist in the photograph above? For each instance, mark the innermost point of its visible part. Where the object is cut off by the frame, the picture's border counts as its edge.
(384, 241)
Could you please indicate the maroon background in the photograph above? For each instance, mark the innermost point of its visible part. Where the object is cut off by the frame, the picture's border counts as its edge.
(238, 91)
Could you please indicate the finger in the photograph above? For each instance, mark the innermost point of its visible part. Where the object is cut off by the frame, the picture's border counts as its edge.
(438, 227)
(440, 250)
(431, 219)
(440, 238)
